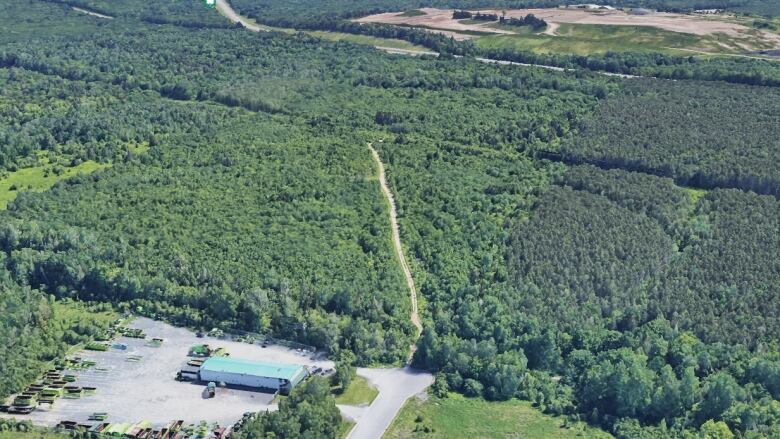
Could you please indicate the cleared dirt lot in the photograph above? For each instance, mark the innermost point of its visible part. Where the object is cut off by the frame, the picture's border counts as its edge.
(441, 19)
(146, 390)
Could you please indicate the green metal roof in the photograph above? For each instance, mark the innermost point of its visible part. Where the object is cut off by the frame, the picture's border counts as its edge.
(291, 372)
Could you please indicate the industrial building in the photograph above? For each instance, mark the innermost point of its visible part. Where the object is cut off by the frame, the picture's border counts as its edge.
(254, 374)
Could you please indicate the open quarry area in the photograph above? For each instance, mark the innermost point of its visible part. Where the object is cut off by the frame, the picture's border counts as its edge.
(721, 31)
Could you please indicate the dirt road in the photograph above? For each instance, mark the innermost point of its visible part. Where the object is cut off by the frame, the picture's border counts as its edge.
(397, 240)
(224, 8)
(92, 13)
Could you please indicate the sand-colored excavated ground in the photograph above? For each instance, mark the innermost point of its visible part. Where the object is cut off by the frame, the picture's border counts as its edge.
(441, 19)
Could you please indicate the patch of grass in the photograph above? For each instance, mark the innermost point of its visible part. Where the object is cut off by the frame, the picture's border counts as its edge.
(474, 21)
(139, 148)
(585, 39)
(471, 418)
(344, 428)
(412, 13)
(34, 434)
(695, 194)
(367, 40)
(360, 392)
(40, 178)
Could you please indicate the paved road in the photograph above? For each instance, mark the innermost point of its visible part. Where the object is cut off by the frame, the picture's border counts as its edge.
(395, 386)
(224, 8)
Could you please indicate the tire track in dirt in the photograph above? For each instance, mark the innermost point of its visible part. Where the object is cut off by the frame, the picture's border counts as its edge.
(415, 316)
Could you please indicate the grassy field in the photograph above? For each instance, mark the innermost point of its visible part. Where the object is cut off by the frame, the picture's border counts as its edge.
(583, 39)
(344, 428)
(367, 40)
(360, 392)
(472, 418)
(40, 178)
(35, 434)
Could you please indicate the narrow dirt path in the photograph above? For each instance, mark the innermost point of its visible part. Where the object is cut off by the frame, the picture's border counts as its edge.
(415, 316)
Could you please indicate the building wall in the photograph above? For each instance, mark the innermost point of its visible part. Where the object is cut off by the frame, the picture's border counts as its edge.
(242, 380)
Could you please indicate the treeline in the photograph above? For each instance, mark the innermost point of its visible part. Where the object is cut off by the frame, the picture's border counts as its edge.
(185, 13)
(699, 134)
(309, 412)
(478, 16)
(529, 20)
(34, 331)
(658, 65)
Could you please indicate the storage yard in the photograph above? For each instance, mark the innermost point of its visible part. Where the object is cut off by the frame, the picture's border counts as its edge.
(134, 381)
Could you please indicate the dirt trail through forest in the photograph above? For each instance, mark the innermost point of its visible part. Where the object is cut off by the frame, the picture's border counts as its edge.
(397, 241)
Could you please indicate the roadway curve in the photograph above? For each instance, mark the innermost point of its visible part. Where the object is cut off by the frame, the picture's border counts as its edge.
(227, 11)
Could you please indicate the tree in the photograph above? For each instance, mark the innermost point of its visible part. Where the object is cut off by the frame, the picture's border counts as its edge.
(345, 371)
(715, 430)
(719, 392)
(309, 412)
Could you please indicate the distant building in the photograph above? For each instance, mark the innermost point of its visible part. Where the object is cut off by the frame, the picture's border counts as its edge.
(254, 374)
(708, 11)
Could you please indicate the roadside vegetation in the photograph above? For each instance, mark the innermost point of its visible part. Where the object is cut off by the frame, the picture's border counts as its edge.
(458, 417)
(359, 392)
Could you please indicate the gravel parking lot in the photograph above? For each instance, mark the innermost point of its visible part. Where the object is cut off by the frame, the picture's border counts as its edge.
(146, 390)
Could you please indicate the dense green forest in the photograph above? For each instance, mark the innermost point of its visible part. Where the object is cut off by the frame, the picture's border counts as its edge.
(608, 295)
(309, 412)
(700, 135)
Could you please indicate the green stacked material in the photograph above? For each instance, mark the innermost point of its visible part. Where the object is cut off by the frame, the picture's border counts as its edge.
(95, 346)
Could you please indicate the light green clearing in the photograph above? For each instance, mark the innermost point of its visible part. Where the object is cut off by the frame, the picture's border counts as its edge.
(472, 418)
(40, 178)
(367, 40)
(583, 39)
(35, 434)
(695, 194)
(360, 392)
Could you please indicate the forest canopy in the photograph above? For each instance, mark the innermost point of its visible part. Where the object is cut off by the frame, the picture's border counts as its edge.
(556, 263)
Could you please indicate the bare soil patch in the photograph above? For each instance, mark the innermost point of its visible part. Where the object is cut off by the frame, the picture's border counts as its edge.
(440, 20)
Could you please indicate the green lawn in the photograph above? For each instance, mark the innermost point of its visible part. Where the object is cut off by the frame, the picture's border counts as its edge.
(472, 418)
(360, 392)
(35, 434)
(583, 39)
(40, 178)
(344, 428)
(367, 40)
